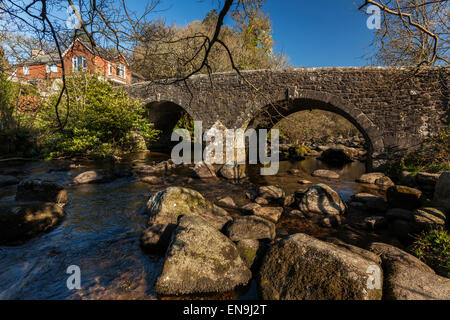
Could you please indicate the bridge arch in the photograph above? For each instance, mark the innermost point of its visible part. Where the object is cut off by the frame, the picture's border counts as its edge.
(270, 114)
(165, 115)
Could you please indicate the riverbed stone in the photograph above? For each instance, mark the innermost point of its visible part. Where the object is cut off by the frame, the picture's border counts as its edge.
(250, 208)
(272, 214)
(250, 228)
(166, 206)
(442, 192)
(370, 178)
(404, 197)
(157, 238)
(408, 278)
(153, 180)
(426, 219)
(204, 171)
(304, 182)
(271, 193)
(227, 202)
(38, 190)
(200, 259)
(384, 182)
(261, 201)
(22, 220)
(8, 181)
(337, 156)
(427, 179)
(371, 202)
(233, 172)
(92, 177)
(301, 267)
(322, 199)
(328, 174)
(249, 249)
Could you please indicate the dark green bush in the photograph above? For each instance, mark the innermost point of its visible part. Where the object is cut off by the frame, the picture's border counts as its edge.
(101, 120)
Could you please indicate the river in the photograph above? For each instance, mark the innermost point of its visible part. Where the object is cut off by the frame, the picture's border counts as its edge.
(103, 225)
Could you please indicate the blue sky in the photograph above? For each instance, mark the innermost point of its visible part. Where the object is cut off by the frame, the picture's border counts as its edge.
(313, 33)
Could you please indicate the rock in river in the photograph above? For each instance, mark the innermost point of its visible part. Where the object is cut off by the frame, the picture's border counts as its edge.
(404, 197)
(325, 174)
(21, 221)
(166, 206)
(201, 260)
(37, 190)
(408, 278)
(322, 199)
(301, 267)
(250, 228)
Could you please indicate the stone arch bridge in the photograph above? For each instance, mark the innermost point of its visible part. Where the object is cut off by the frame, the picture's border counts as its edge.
(394, 108)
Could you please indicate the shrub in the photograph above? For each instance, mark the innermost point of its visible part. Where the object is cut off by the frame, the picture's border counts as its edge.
(433, 248)
(100, 120)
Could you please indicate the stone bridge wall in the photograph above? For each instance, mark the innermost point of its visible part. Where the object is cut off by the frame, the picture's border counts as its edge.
(393, 107)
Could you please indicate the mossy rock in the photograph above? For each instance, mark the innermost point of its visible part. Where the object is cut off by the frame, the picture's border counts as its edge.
(303, 268)
(166, 206)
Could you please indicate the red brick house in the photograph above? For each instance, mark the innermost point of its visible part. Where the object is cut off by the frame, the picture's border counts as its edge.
(78, 57)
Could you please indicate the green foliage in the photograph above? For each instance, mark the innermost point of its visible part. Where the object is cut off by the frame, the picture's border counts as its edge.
(432, 156)
(101, 120)
(433, 248)
(317, 125)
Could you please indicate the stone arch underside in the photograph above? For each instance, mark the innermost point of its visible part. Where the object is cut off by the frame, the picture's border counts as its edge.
(269, 115)
(165, 114)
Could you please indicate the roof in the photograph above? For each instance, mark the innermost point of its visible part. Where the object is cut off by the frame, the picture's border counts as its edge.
(53, 57)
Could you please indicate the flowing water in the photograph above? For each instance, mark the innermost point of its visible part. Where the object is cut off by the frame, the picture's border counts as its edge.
(103, 225)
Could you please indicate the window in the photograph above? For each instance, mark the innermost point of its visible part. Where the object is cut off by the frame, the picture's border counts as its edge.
(121, 71)
(26, 70)
(52, 68)
(78, 64)
(110, 69)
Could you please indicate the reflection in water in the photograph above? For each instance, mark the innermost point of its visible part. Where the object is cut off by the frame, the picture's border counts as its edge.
(102, 229)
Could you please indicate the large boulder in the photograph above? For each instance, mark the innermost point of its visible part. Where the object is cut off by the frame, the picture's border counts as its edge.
(21, 221)
(407, 278)
(321, 199)
(200, 259)
(37, 190)
(426, 219)
(8, 181)
(251, 228)
(166, 206)
(404, 197)
(442, 192)
(301, 267)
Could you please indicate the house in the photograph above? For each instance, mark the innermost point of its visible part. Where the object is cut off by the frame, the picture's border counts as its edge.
(78, 57)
